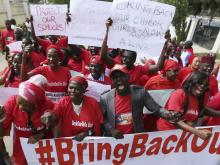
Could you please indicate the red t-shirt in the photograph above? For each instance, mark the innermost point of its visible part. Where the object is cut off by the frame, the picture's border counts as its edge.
(213, 85)
(7, 36)
(159, 82)
(13, 84)
(71, 124)
(20, 119)
(184, 72)
(58, 81)
(176, 103)
(61, 43)
(214, 103)
(123, 114)
(137, 72)
(36, 58)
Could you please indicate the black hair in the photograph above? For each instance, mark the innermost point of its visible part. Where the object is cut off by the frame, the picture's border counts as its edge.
(75, 49)
(13, 21)
(133, 53)
(67, 55)
(192, 80)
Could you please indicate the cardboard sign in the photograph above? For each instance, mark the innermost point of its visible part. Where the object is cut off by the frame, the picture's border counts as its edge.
(49, 19)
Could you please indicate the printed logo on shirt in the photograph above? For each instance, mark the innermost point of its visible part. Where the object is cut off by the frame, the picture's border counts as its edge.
(55, 96)
(192, 112)
(27, 129)
(82, 124)
(57, 84)
(124, 119)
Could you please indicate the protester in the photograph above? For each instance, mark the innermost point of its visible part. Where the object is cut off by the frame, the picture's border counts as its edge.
(122, 107)
(191, 101)
(10, 76)
(24, 111)
(57, 75)
(7, 35)
(207, 64)
(187, 52)
(78, 115)
(128, 59)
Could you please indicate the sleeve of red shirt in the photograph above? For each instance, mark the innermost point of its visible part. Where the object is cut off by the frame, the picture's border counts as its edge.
(144, 69)
(214, 103)
(9, 107)
(37, 70)
(59, 108)
(175, 102)
(63, 42)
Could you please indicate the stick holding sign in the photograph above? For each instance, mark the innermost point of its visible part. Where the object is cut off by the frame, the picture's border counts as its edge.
(49, 19)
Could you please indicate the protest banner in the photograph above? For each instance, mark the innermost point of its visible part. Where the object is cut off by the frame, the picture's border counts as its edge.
(162, 148)
(49, 19)
(140, 25)
(87, 26)
(15, 46)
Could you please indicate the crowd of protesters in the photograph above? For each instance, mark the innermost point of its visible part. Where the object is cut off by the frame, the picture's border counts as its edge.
(51, 103)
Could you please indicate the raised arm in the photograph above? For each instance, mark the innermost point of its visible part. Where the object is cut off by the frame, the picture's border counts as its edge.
(104, 55)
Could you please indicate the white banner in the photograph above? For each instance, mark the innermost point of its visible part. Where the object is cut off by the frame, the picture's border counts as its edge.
(6, 92)
(87, 26)
(15, 46)
(49, 19)
(140, 25)
(160, 148)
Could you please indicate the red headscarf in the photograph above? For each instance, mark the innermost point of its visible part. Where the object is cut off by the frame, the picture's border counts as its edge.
(191, 58)
(208, 59)
(59, 52)
(80, 80)
(170, 64)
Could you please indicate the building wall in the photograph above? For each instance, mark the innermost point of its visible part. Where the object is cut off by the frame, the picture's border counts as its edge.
(13, 9)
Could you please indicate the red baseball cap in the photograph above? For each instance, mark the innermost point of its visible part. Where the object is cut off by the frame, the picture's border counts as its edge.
(120, 68)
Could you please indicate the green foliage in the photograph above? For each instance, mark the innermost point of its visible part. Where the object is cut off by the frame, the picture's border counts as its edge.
(59, 1)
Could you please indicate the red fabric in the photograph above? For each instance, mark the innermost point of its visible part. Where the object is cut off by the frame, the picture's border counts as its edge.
(123, 114)
(80, 80)
(60, 53)
(170, 64)
(183, 73)
(19, 119)
(159, 82)
(90, 116)
(15, 83)
(61, 43)
(118, 67)
(208, 59)
(176, 103)
(36, 58)
(214, 103)
(191, 58)
(213, 85)
(58, 80)
(107, 80)
(7, 37)
(117, 59)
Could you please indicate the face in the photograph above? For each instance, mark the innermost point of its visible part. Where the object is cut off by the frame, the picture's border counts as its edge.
(196, 63)
(200, 87)
(18, 34)
(25, 43)
(94, 50)
(53, 58)
(76, 91)
(205, 67)
(8, 25)
(128, 59)
(171, 74)
(24, 105)
(9, 58)
(95, 70)
(120, 81)
(16, 63)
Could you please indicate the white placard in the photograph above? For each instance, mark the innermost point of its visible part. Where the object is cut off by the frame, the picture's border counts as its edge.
(173, 147)
(95, 89)
(49, 19)
(15, 46)
(6, 92)
(87, 26)
(140, 25)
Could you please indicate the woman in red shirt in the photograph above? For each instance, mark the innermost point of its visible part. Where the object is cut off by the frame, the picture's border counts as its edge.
(24, 111)
(57, 75)
(191, 101)
(78, 115)
(10, 76)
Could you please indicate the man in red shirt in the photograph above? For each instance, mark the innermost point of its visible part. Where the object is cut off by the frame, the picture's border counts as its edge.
(122, 106)
(7, 35)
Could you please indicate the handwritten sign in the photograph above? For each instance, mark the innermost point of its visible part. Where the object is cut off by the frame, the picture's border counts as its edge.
(49, 19)
(87, 26)
(140, 25)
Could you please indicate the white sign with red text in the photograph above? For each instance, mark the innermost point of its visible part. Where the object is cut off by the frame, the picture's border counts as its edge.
(159, 148)
(49, 19)
(140, 25)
